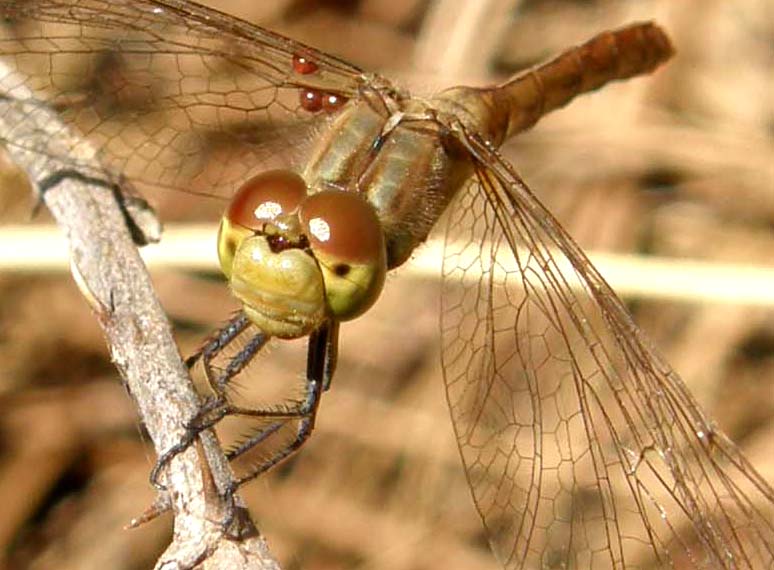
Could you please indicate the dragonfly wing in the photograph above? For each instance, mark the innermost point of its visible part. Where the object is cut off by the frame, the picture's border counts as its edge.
(156, 85)
(582, 447)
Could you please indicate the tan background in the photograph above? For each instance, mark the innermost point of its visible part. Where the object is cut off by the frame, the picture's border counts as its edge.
(678, 165)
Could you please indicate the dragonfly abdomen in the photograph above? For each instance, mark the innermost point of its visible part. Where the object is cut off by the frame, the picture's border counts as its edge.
(502, 111)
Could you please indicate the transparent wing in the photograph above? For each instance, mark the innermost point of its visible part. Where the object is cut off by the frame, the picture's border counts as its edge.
(582, 447)
(154, 85)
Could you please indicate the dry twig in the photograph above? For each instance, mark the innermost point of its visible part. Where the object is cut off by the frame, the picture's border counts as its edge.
(107, 266)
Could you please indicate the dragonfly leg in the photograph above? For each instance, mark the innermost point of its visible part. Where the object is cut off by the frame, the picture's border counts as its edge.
(321, 364)
(233, 328)
(214, 409)
(328, 353)
(218, 406)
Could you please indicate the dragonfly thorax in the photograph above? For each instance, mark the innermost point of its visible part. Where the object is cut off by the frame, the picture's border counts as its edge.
(296, 259)
(394, 153)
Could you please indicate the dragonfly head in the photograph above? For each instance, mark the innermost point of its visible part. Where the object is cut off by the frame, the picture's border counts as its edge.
(296, 259)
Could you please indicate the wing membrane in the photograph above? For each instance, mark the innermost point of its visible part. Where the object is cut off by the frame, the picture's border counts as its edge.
(582, 447)
(154, 85)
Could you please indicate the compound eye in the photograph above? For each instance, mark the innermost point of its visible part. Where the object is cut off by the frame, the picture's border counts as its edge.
(347, 240)
(264, 197)
(258, 201)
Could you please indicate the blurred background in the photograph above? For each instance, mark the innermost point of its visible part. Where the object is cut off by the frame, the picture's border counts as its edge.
(678, 165)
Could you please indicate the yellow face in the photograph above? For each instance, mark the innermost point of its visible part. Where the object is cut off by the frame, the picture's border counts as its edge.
(295, 260)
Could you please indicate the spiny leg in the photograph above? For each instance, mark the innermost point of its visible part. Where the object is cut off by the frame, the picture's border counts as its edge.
(327, 355)
(217, 342)
(208, 352)
(218, 406)
(321, 364)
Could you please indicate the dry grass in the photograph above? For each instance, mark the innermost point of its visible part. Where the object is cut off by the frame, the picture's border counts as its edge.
(680, 165)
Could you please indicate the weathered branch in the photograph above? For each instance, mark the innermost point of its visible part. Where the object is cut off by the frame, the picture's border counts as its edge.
(110, 273)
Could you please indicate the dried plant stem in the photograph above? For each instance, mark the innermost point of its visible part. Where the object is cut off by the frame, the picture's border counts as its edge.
(460, 37)
(189, 247)
(110, 273)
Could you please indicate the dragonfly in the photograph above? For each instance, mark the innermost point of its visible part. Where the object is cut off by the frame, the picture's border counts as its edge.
(581, 446)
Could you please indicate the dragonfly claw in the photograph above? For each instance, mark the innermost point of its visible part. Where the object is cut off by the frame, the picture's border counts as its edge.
(213, 410)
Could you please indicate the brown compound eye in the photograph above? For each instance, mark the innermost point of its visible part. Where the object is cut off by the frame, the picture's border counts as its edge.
(264, 197)
(258, 201)
(347, 239)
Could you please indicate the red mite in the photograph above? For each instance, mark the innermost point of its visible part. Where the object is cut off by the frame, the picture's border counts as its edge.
(303, 65)
(313, 100)
(332, 102)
